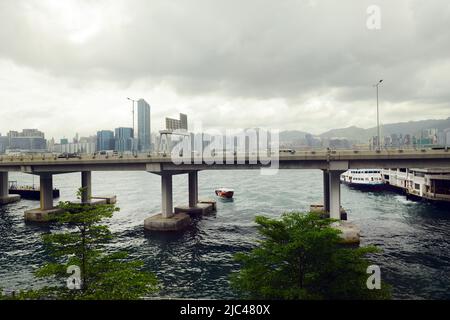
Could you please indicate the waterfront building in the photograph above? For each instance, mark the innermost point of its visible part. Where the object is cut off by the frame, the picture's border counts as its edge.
(144, 135)
(123, 139)
(105, 140)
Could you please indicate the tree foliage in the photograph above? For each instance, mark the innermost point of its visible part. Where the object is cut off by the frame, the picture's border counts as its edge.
(301, 257)
(82, 243)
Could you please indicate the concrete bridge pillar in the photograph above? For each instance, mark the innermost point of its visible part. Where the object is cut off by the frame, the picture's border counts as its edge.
(167, 220)
(46, 191)
(349, 232)
(5, 197)
(3, 184)
(195, 206)
(86, 193)
(193, 188)
(86, 185)
(167, 200)
(326, 191)
(46, 210)
(335, 194)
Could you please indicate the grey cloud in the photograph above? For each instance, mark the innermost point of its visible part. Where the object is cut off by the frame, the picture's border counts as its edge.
(251, 49)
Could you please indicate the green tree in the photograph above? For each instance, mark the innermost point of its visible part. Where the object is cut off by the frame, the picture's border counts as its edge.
(301, 256)
(82, 244)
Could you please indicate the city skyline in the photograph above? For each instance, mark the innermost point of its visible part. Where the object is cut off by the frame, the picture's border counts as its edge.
(77, 61)
(435, 134)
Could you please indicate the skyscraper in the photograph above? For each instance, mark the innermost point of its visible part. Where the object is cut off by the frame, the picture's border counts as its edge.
(105, 140)
(123, 139)
(175, 124)
(144, 137)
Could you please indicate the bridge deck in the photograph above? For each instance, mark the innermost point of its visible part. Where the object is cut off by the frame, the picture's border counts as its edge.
(320, 159)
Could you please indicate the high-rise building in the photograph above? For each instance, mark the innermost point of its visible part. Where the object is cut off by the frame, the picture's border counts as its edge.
(447, 137)
(123, 139)
(4, 143)
(32, 133)
(183, 121)
(175, 124)
(105, 140)
(144, 136)
(80, 147)
(27, 140)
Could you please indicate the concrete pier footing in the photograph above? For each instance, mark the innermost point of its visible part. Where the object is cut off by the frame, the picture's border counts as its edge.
(91, 202)
(213, 203)
(108, 199)
(199, 209)
(10, 198)
(350, 233)
(176, 222)
(45, 212)
(167, 220)
(178, 218)
(86, 194)
(41, 215)
(319, 208)
(195, 207)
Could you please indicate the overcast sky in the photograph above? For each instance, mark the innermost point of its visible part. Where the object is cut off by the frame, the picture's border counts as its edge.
(67, 66)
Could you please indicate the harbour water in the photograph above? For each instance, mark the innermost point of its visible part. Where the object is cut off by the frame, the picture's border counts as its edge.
(414, 237)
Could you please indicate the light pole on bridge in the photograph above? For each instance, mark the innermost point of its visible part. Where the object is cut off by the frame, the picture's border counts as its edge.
(378, 117)
(133, 147)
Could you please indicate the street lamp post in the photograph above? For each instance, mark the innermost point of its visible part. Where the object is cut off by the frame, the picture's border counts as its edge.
(378, 117)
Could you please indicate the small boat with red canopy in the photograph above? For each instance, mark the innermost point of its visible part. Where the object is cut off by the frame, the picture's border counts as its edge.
(225, 193)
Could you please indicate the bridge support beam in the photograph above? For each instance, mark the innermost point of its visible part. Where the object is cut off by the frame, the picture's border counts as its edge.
(335, 194)
(167, 220)
(86, 194)
(195, 207)
(326, 191)
(193, 188)
(46, 210)
(46, 191)
(167, 196)
(86, 186)
(349, 232)
(5, 197)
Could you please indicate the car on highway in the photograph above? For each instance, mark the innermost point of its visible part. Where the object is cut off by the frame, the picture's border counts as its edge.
(68, 155)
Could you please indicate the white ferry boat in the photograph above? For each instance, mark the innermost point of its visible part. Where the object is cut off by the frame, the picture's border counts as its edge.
(420, 184)
(363, 178)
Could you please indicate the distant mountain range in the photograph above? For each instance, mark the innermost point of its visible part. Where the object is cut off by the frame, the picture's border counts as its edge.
(363, 135)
